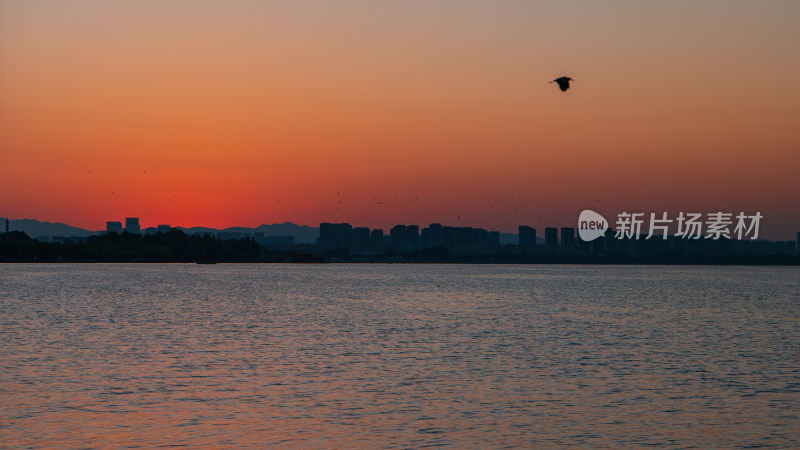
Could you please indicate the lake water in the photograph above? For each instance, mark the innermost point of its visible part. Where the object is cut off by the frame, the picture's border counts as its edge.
(342, 356)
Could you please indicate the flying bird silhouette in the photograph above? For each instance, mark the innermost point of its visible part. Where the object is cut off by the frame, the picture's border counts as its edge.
(563, 83)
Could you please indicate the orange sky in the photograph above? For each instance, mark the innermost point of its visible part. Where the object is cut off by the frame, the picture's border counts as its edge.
(203, 113)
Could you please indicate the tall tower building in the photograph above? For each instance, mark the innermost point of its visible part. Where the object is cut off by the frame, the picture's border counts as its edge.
(567, 237)
(113, 227)
(551, 236)
(436, 235)
(412, 237)
(376, 238)
(398, 237)
(132, 225)
(335, 235)
(360, 238)
(527, 236)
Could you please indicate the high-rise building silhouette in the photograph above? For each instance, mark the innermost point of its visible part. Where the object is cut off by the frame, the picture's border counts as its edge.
(335, 235)
(567, 237)
(376, 239)
(113, 227)
(397, 235)
(551, 237)
(527, 236)
(412, 237)
(361, 238)
(425, 240)
(493, 238)
(435, 235)
(132, 225)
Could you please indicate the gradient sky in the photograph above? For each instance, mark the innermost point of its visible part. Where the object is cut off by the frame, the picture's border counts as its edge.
(212, 113)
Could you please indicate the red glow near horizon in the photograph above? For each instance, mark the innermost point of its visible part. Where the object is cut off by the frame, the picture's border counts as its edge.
(263, 113)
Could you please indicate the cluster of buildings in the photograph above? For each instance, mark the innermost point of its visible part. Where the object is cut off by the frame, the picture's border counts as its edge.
(132, 226)
(527, 237)
(556, 241)
(407, 238)
(464, 240)
(455, 239)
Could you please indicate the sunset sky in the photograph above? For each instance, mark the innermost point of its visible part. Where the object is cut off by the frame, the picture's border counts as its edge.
(238, 113)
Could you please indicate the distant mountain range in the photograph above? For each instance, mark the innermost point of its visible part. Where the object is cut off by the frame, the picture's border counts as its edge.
(37, 229)
(301, 233)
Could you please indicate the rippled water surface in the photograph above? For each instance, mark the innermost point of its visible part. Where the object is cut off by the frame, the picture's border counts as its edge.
(343, 356)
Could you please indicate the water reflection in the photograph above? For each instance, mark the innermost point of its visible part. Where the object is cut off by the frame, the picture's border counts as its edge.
(399, 355)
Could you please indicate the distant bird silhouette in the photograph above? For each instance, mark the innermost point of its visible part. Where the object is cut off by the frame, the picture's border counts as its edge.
(563, 83)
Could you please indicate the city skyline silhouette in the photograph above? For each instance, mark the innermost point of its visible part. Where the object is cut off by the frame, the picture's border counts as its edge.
(263, 113)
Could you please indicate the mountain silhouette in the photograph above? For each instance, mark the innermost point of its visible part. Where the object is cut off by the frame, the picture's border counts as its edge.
(301, 233)
(35, 229)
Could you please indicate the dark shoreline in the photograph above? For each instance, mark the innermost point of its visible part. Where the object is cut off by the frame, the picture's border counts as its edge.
(746, 263)
(178, 247)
